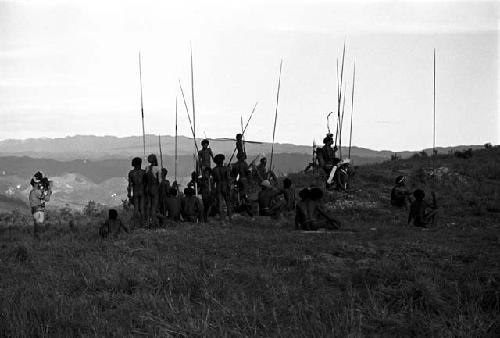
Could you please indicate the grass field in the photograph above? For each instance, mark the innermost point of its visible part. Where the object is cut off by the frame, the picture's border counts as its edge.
(376, 277)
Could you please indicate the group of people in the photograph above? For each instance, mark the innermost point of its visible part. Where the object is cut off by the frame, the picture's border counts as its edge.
(212, 191)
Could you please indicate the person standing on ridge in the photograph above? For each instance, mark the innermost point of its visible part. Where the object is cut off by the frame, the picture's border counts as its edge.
(136, 190)
(205, 156)
(152, 188)
(221, 177)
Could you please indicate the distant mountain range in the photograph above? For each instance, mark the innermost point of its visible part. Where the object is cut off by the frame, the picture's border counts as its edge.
(91, 147)
(95, 168)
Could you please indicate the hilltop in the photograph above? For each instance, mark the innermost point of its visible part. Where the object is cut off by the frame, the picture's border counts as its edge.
(258, 277)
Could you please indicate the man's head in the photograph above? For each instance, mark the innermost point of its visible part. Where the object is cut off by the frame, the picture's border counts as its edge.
(419, 194)
(265, 184)
(38, 176)
(189, 192)
(112, 214)
(205, 143)
(304, 194)
(287, 183)
(164, 173)
(263, 160)
(136, 162)
(328, 141)
(239, 136)
(219, 159)
(315, 193)
(241, 157)
(152, 160)
(172, 192)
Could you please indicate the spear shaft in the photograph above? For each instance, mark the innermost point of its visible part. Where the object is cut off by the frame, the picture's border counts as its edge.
(276, 116)
(142, 109)
(175, 168)
(161, 155)
(352, 108)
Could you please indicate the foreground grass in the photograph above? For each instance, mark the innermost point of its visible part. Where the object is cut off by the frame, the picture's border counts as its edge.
(253, 278)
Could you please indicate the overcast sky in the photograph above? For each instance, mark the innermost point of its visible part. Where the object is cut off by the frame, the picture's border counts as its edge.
(71, 67)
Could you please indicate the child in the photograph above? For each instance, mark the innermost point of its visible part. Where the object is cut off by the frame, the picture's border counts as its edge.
(136, 190)
(289, 193)
(164, 191)
(112, 226)
(301, 216)
(419, 210)
(191, 207)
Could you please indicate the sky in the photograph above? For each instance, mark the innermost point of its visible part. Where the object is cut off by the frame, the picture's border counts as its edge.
(71, 67)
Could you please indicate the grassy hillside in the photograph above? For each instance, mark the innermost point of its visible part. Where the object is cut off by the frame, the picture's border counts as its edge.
(376, 277)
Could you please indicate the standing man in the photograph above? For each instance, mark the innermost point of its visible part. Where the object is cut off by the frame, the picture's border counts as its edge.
(37, 198)
(153, 185)
(136, 190)
(222, 185)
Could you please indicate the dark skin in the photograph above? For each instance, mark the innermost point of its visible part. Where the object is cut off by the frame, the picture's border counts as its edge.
(135, 192)
(192, 209)
(222, 188)
(173, 204)
(163, 193)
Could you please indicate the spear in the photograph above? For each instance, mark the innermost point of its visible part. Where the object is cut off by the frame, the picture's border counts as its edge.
(434, 127)
(161, 155)
(341, 123)
(275, 116)
(352, 108)
(192, 100)
(142, 109)
(189, 117)
(175, 170)
(339, 88)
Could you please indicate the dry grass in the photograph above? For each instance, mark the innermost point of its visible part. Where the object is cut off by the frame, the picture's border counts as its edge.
(259, 277)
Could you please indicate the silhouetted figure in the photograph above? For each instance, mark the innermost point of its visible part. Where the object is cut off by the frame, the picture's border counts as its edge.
(289, 194)
(400, 196)
(153, 185)
(318, 216)
(422, 213)
(205, 155)
(301, 216)
(191, 207)
(173, 204)
(240, 147)
(164, 191)
(113, 226)
(136, 191)
(207, 191)
(221, 177)
(269, 204)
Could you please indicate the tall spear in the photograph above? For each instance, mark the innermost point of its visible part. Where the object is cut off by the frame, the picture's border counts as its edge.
(275, 116)
(243, 132)
(352, 108)
(434, 126)
(339, 89)
(161, 155)
(194, 111)
(175, 168)
(142, 109)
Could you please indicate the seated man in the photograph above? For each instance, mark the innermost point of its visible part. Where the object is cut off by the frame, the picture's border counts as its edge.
(269, 205)
(318, 216)
(113, 226)
(301, 215)
(173, 205)
(421, 212)
(191, 207)
(400, 196)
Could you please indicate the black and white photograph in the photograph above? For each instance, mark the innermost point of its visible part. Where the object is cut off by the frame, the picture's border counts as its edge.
(249, 168)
